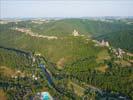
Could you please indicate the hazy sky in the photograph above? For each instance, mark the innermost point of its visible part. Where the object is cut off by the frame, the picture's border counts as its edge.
(65, 8)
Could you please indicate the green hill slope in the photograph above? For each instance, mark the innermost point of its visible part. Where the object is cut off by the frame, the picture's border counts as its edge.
(120, 39)
(117, 32)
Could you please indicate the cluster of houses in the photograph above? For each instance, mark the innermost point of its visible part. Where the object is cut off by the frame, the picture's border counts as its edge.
(17, 74)
(9, 21)
(40, 21)
(3, 22)
(34, 77)
(76, 33)
(102, 43)
(118, 52)
(29, 32)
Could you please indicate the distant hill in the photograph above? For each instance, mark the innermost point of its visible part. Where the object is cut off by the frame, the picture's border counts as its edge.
(117, 32)
(66, 26)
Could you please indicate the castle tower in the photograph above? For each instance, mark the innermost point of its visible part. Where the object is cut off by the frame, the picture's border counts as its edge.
(75, 33)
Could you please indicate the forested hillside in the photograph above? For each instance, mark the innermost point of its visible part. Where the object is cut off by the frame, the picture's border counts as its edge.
(119, 39)
(69, 67)
(117, 33)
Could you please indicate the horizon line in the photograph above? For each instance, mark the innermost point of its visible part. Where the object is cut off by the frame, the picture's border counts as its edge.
(67, 17)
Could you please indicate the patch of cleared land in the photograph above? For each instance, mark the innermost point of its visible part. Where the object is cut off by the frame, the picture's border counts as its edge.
(76, 88)
(102, 68)
(2, 95)
(123, 63)
(103, 55)
(6, 71)
(61, 62)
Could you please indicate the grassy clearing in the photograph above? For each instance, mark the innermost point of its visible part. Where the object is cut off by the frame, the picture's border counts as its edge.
(7, 71)
(102, 55)
(3, 95)
(102, 68)
(76, 88)
(123, 63)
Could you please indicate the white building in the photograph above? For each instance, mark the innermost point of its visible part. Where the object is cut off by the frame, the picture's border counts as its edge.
(104, 43)
(75, 33)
